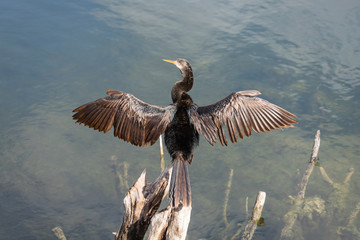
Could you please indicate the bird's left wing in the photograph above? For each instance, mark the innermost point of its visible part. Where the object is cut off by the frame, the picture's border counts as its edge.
(133, 120)
(241, 112)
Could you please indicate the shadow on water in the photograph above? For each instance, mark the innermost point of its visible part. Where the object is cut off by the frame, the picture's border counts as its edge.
(303, 56)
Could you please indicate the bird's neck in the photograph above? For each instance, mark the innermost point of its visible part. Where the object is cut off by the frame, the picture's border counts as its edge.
(184, 85)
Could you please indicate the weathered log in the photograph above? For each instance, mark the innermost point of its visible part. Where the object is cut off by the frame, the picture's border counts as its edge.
(170, 223)
(255, 216)
(179, 222)
(59, 233)
(141, 204)
(159, 224)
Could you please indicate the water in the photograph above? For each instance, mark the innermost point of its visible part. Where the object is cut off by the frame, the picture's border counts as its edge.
(57, 55)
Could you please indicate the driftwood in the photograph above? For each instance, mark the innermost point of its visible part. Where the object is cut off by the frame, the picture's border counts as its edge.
(58, 232)
(330, 211)
(290, 218)
(170, 223)
(141, 204)
(255, 217)
(310, 167)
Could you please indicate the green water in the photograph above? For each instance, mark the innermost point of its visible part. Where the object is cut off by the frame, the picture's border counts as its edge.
(57, 55)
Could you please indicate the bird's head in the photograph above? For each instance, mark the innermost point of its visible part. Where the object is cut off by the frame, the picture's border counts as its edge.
(187, 78)
(182, 64)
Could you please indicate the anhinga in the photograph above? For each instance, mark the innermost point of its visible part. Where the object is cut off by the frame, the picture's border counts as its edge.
(141, 123)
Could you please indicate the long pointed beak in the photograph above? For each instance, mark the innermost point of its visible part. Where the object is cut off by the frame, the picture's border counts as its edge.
(170, 61)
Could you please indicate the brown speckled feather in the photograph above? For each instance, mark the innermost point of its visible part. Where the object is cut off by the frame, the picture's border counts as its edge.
(133, 120)
(240, 112)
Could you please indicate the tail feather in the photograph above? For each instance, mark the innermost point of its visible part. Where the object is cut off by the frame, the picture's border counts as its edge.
(180, 190)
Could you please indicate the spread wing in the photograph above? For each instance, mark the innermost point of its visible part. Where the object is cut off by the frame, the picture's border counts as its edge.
(133, 120)
(241, 112)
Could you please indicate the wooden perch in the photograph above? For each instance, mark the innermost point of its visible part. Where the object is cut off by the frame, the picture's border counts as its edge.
(290, 218)
(170, 223)
(255, 217)
(141, 204)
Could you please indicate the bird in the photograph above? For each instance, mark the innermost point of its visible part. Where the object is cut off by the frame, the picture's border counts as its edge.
(182, 122)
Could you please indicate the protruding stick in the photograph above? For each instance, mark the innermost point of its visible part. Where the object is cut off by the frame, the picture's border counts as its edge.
(59, 233)
(310, 166)
(227, 193)
(290, 218)
(255, 217)
(162, 162)
(247, 207)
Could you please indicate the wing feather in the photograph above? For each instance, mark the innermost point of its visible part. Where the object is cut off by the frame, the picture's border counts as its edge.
(261, 120)
(241, 113)
(133, 120)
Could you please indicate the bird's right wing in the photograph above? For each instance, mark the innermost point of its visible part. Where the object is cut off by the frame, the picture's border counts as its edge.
(133, 120)
(241, 112)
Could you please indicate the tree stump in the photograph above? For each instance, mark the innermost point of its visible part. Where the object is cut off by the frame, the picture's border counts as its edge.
(141, 204)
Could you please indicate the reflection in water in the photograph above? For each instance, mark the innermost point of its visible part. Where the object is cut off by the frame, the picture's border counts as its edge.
(302, 55)
(272, 33)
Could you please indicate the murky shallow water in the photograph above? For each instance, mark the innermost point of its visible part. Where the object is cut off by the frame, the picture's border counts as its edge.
(56, 55)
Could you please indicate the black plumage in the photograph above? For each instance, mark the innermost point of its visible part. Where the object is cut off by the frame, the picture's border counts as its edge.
(140, 123)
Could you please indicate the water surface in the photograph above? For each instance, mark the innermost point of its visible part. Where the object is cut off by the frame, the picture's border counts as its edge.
(57, 55)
